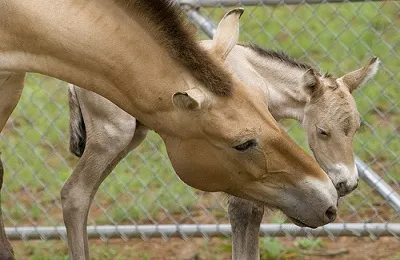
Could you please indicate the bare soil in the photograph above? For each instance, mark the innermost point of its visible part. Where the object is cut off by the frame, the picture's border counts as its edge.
(346, 248)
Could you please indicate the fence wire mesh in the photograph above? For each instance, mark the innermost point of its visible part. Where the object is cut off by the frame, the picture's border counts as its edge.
(336, 37)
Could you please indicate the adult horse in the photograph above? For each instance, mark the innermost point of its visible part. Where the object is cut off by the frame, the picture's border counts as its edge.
(139, 55)
(323, 104)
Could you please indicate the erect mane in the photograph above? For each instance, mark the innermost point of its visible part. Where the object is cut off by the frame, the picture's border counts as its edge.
(283, 57)
(278, 56)
(174, 34)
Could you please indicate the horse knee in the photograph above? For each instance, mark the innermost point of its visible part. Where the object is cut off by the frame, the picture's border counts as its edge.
(73, 200)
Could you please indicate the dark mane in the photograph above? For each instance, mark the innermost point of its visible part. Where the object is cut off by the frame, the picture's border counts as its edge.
(278, 56)
(173, 33)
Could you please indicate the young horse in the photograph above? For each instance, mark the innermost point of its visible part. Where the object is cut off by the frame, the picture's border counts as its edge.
(324, 106)
(322, 103)
(138, 54)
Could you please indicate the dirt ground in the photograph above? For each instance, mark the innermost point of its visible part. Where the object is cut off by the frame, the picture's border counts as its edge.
(346, 248)
(216, 248)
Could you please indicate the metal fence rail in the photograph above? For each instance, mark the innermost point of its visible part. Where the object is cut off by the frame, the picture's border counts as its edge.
(144, 198)
(165, 231)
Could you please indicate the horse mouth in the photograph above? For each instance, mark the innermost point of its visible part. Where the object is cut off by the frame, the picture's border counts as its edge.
(299, 223)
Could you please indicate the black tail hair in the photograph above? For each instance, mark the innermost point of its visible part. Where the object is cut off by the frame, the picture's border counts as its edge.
(77, 129)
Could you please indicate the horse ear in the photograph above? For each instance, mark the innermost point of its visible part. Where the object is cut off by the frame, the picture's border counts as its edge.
(227, 34)
(311, 83)
(192, 99)
(357, 78)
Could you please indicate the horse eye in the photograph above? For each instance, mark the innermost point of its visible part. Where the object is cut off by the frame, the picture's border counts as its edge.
(322, 131)
(245, 146)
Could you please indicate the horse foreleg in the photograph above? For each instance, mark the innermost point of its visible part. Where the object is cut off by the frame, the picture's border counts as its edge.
(245, 218)
(11, 85)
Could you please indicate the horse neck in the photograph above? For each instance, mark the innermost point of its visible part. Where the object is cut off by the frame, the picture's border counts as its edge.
(280, 83)
(95, 45)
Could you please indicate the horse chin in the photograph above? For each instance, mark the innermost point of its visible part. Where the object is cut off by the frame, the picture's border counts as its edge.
(299, 223)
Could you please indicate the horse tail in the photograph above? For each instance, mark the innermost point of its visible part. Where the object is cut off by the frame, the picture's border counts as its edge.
(77, 129)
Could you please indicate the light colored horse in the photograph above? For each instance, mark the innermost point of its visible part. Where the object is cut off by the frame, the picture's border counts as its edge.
(139, 55)
(322, 103)
(326, 109)
(219, 135)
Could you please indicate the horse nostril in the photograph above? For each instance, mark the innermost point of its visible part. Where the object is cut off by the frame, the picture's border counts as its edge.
(341, 187)
(331, 214)
(344, 189)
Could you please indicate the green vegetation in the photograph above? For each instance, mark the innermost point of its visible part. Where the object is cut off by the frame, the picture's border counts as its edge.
(143, 189)
(308, 244)
(273, 248)
(117, 249)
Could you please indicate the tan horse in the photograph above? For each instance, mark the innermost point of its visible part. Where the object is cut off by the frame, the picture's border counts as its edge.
(138, 54)
(327, 111)
(328, 105)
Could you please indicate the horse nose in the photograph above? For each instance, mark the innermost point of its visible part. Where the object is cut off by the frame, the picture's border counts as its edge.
(330, 214)
(343, 188)
(354, 187)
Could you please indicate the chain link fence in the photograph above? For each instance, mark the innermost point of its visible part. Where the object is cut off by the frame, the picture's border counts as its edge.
(143, 197)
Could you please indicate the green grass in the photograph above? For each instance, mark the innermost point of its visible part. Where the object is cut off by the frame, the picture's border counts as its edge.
(273, 248)
(117, 249)
(55, 250)
(335, 37)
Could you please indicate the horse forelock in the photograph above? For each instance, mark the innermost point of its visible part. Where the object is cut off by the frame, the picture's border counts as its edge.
(172, 31)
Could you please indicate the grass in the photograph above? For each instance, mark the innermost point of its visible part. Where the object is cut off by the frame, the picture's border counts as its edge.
(274, 248)
(54, 250)
(214, 248)
(143, 189)
(117, 250)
